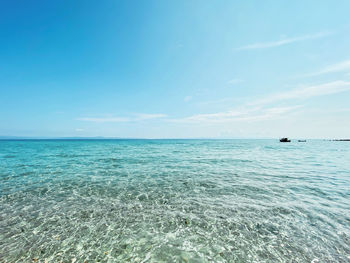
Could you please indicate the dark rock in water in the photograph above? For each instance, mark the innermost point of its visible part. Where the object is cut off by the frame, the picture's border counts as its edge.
(301, 140)
(284, 140)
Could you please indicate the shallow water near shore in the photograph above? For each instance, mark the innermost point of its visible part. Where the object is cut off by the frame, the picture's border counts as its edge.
(174, 201)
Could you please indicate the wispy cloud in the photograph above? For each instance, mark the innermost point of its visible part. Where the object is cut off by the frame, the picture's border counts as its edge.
(284, 41)
(187, 98)
(244, 114)
(307, 92)
(135, 117)
(338, 67)
(258, 110)
(147, 116)
(104, 119)
(222, 101)
(234, 81)
(263, 109)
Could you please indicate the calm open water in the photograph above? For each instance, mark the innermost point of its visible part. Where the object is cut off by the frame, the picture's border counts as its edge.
(174, 201)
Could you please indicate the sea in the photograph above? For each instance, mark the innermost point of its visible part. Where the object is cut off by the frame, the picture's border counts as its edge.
(174, 201)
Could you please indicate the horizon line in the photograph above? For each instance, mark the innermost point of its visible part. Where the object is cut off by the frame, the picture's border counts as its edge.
(14, 138)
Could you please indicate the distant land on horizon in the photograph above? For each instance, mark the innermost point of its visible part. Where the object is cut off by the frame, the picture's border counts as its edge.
(131, 138)
(116, 138)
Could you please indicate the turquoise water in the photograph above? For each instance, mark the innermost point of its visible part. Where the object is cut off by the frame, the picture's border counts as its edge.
(174, 201)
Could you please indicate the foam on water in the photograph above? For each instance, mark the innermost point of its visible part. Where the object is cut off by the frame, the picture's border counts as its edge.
(174, 201)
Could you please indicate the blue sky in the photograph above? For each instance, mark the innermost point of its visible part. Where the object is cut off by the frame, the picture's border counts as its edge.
(175, 69)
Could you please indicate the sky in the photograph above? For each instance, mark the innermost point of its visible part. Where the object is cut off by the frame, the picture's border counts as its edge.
(175, 69)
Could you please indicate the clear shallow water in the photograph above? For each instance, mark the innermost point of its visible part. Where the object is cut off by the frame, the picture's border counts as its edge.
(174, 201)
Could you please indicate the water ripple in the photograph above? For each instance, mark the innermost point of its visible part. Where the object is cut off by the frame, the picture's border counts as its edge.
(174, 201)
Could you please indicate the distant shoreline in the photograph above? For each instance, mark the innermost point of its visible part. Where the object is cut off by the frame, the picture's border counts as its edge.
(14, 138)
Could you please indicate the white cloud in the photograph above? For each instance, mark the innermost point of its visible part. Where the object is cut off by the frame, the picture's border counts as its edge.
(145, 116)
(307, 92)
(187, 98)
(282, 42)
(234, 81)
(339, 67)
(105, 119)
(245, 114)
(249, 112)
(221, 101)
(79, 130)
(137, 117)
(257, 110)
